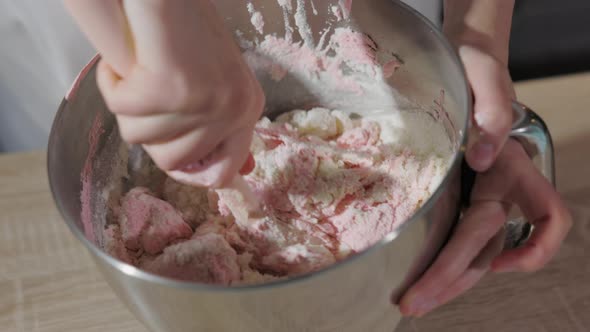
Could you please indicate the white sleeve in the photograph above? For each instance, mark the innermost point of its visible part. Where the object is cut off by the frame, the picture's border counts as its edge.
(42, 52)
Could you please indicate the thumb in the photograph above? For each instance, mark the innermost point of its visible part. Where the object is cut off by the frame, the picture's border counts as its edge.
(493, 94)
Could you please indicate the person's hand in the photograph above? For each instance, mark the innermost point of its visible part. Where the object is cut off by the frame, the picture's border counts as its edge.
(183, 91)
(493, 93)
(475, 247)
(480, 32)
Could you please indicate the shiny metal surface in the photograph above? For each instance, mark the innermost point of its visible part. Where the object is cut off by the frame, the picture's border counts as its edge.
(532, 133)
(530, 130)
(354, 295)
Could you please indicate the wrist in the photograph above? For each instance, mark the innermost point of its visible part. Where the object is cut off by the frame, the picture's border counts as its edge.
(481, 24)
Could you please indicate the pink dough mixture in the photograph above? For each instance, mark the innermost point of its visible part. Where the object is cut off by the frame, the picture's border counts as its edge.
(330, 186)
(330, 183)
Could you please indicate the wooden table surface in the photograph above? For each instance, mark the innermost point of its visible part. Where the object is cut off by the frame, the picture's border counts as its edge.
(48, 282)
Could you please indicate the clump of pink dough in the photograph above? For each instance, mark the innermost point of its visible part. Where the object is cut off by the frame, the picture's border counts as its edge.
(150, 224)
(204, 258)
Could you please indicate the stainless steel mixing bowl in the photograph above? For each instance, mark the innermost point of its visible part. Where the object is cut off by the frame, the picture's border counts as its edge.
(354, 295)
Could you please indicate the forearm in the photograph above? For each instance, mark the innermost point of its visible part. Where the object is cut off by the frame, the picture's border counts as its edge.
(105, 25)
(484, 24)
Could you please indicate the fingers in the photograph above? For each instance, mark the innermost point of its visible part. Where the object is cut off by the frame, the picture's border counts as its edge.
(476, 271)
(481, 222)
(550, 231)
(185, 104)
(191, 151)
(465, 282)
(226, 162)
(234, 154)
(542, 206)
(514, 179)
(155, 129)
(493, 94)
(144, 93)
(134, 95)
(490, 251)
(185, 142)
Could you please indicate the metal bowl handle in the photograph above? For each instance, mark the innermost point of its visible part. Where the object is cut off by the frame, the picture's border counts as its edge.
(532, 133)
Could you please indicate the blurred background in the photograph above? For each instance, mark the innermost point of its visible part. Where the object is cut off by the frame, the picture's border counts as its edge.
(43, 51)
(549, 38)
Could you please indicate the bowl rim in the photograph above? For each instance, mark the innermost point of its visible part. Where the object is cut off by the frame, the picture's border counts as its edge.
(135, 272)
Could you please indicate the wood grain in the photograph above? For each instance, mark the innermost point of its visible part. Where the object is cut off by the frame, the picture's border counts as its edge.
(47, 280)
(49, 283)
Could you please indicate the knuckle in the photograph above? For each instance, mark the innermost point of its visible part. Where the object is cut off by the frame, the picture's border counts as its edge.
(168, 92)
(114, 105)
(220, 97)
(181, 91)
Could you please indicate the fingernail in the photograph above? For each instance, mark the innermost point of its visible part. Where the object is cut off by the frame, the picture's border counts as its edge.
(483, 155)
(481, 118)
